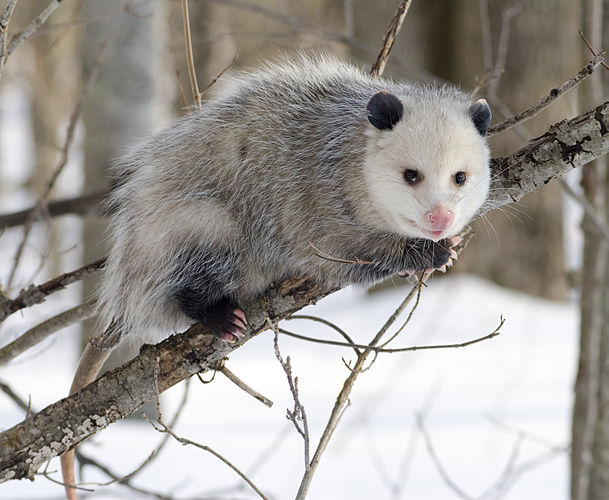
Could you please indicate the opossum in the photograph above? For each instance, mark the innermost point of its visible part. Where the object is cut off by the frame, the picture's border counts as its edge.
(294, 161)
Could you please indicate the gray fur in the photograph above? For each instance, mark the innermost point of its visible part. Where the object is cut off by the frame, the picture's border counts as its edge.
(269, 169)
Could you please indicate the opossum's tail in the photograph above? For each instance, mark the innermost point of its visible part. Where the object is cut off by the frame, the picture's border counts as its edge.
(93, 357)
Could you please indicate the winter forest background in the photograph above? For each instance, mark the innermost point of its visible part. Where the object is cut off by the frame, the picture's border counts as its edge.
(523, 415)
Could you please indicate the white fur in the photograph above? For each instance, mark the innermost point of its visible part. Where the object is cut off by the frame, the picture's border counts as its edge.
(437, 141)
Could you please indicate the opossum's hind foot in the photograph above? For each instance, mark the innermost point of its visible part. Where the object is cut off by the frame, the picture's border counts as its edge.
(236, 331)
(225, 319)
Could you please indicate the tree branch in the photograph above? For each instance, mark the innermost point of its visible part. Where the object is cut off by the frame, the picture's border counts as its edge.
(37, 294)
(80, 205)
(65, 424)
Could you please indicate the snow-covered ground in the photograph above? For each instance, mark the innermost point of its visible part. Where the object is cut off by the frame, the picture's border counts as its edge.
(500, 405)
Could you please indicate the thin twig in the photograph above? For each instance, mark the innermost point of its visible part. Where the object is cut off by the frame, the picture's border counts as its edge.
(342, 400)
(242, 385)
(162, 427)
(32, 27)
(581, 34)
(325, 256)
(440, 468)
(390, 36)
(79, 205)
(323, 321)
(190, 60)
(410, 314)
(6, 389)
(40, 332)
(494, 333)
(4, 22)
(554, 94)
(298, 413)
(213, 82)
(502, 48)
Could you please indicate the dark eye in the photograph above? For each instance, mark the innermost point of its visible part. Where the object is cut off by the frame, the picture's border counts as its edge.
(460, 178)
(411, 176)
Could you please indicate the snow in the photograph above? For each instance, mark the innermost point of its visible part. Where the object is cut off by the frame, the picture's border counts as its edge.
(502, 402)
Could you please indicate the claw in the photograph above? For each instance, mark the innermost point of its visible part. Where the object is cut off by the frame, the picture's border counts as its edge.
(239, 322)
(228, 337)
(453, 254)
(455, 240)
(237, 332)
(241, 315)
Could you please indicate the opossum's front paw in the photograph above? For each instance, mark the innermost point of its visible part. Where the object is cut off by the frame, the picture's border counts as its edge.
(444, 254)
(434, 255)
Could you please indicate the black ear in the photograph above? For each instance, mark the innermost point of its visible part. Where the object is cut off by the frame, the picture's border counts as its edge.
(480, 114)
(384, 110)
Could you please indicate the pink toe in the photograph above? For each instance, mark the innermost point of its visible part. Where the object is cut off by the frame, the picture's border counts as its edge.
(236, 332)
(228, 337)
(241, 315)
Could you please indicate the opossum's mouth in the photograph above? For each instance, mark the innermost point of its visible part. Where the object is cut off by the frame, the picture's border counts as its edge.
(433, 235)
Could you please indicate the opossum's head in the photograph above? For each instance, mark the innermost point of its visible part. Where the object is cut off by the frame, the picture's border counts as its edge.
(427, 163)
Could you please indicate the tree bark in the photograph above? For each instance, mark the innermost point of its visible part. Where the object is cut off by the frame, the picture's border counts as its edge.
(590, 425)
(63, 425)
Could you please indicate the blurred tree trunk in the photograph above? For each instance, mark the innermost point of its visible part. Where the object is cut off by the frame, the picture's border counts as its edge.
(590, 425)
(52, 93)
(523, 247)
(118, 109)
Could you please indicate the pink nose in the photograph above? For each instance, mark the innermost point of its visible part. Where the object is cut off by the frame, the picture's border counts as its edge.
(440, 218)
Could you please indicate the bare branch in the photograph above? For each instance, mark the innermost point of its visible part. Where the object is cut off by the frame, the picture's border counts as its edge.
(6, 389)
(40, 332)
(298, 414)
(494, 333)
(390, 36)
(213, 82)
(581, 34)
(4, 22)
(566, 145)
(79, 205)
(32, 27)
(242, 385)
(190, 60)
(37, 294)
(165, 428)
(590, 211)
(554, 94)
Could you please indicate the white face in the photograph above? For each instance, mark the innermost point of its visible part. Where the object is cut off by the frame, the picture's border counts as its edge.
(429, 175)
